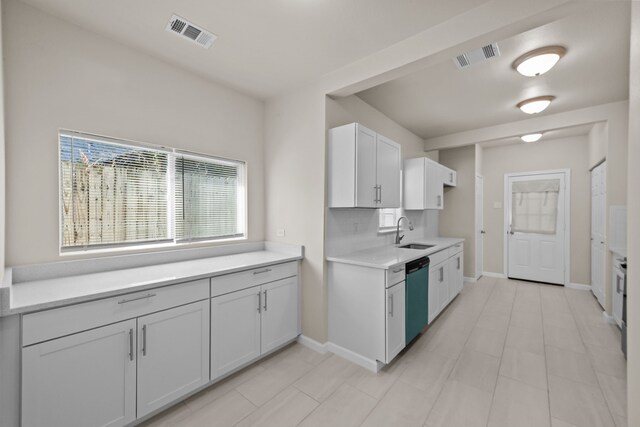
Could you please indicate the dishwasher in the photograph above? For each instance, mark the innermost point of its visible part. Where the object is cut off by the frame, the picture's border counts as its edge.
(416, 297)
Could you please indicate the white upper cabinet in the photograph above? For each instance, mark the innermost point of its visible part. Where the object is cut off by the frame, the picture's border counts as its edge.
(363, 169)
(423, 184)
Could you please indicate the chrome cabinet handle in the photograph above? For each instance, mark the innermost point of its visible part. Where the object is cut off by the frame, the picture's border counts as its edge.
(380, 197)
(441, 274)
(266, 270)
(130, 344)
(439, 200)
(458, 263)
(391, 305)
(124, 301)
(144, 340)
(259, 302)
(451, 176)
(398, 270)
(618, 284)
(265, 301)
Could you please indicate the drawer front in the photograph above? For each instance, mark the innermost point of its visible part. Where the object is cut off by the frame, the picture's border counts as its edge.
(49, 324)
(455, 249)
(245, 279)
(395, 274)
(438, 257)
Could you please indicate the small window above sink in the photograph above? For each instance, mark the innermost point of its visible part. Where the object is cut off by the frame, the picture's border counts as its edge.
(416, 246)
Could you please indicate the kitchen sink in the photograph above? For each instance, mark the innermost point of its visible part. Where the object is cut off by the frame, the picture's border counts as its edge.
(416, 246)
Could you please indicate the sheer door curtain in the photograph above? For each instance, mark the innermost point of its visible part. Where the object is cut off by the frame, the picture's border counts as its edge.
(535, 206)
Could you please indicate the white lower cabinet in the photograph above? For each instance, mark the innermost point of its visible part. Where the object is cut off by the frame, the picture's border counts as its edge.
(446, 279)
(395, 320)
(173, 354)
(246, 324)
(85, 379)
(456, 275)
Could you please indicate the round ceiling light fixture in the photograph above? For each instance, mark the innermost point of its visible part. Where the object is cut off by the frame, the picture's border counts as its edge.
(532, 137)
(535, 105)
(538, 61)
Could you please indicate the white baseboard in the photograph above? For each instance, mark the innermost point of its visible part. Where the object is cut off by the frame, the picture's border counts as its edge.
(608, 319)
(497, 275)
(578, 286)
(372, 365)
(313, 344)
(470, 280)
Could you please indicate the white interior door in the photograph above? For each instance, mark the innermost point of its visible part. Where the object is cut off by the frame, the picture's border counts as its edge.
(536, 226)
(598, 214)
(479, 226)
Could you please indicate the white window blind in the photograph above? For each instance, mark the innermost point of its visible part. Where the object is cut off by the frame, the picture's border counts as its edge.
(114, 193)
(209, 198)
(535, 206)
(111, 193)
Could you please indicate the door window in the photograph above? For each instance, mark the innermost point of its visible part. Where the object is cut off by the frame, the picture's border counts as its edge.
(535, 206)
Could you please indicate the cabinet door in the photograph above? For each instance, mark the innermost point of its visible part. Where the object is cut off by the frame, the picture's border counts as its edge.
(85, 379)
(235, 330)
(456, 276)
(434, 285)
(279, 313)
(366, 185)
(173, 354)
(388, 173)
(442, 285)
(395, 321)
(434, 190)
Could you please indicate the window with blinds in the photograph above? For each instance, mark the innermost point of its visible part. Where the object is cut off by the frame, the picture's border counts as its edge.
(114, 193)
(208, 199)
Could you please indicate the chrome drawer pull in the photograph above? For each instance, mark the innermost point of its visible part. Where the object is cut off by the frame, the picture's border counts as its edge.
(266, 270)
(124, 301)
(398, 270)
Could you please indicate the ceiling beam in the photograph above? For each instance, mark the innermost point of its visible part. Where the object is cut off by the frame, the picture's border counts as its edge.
(594, 114)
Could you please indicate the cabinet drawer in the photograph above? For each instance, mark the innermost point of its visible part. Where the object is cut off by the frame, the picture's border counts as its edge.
(395, 275)
(245, 279)
(438, 257)
(455, 249)
(49, 324)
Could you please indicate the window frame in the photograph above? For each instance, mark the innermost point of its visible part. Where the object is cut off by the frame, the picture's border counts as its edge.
(172, 241)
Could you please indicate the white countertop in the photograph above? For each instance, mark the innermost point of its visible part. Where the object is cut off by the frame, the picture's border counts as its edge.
(42, 294)
(390, 255)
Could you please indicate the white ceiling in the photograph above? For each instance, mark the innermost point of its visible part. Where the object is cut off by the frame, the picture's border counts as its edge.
(442, 100)
(264, 47)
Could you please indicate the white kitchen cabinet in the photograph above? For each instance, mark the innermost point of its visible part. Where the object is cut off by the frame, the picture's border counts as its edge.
(84, 379)
(449, 177)
(173, 354)
(456, 275)
(248, 323)
(617, 292)
(437, 276)
(279, 322)
(363, 169)
(422, 184)
(395, 320)
(235, 330)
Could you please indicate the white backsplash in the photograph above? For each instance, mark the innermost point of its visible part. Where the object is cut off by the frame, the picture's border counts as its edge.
(350, 230)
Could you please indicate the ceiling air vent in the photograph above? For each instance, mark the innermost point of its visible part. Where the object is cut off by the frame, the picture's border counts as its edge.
(190, 31)
(477, 55)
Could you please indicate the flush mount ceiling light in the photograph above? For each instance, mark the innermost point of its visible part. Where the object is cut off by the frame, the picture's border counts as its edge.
(538, 61)
(535, 105)
(532, 137)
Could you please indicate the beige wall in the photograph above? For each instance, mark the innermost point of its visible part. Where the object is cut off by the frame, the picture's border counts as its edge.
(633, 231)
(457, 219)
(351, 109)
(598, 143)
(567, 153)
(60, 76)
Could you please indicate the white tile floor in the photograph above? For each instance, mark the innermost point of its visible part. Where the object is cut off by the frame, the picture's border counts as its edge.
(504, 353)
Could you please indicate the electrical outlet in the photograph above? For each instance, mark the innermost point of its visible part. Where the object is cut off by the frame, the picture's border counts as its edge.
(280, 232)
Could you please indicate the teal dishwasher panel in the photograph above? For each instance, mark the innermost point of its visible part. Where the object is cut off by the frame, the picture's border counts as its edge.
(416, 302)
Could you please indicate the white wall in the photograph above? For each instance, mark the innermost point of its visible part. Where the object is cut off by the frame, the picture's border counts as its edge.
(633, 230)
(60, 76)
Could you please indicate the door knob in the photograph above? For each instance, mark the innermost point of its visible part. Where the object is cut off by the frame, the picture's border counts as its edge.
(483, 232)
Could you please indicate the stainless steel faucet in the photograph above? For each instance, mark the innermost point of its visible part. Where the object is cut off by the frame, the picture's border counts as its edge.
(398, 236)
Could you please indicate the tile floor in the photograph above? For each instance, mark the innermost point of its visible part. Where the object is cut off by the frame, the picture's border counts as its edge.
(504, 353)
